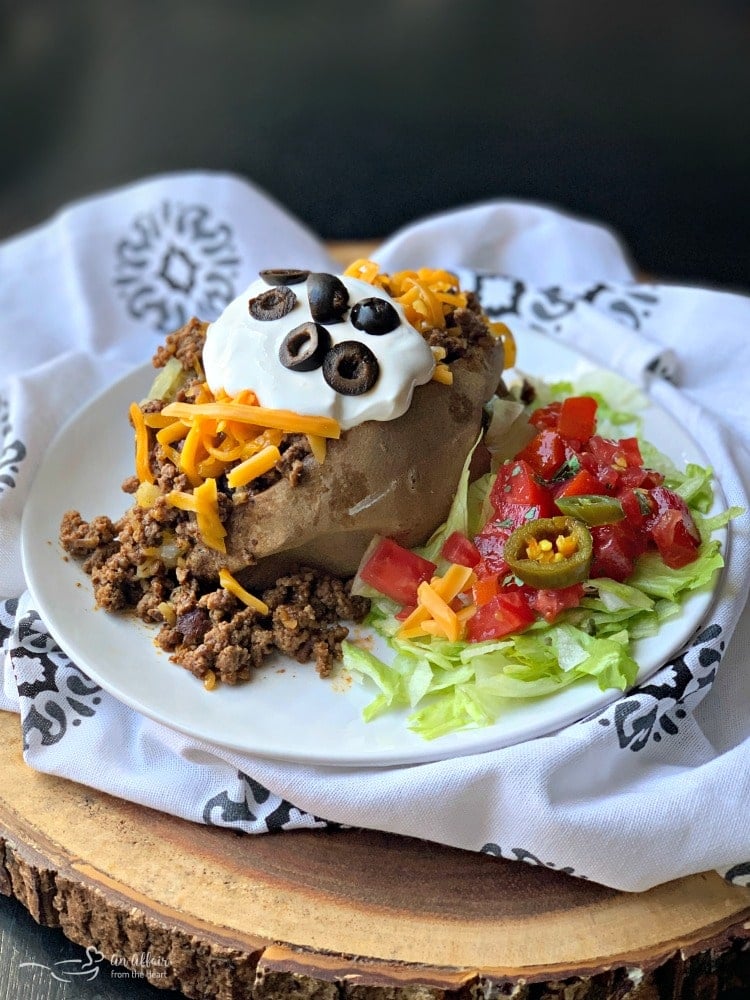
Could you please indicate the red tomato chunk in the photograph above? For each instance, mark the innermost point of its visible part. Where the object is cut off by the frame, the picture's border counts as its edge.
(396, 571)
(517, 494)
(550, 603)
(577, 417)
(545, 453)
(457, 548)
(505, 613)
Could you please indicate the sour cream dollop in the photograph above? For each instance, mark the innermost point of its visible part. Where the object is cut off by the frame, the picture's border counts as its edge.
(242, 352)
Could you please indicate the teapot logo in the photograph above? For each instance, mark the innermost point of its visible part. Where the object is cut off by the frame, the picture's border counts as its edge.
(72, 970)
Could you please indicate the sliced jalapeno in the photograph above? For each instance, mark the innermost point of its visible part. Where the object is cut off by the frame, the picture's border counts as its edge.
(592, 508)
(550, 553)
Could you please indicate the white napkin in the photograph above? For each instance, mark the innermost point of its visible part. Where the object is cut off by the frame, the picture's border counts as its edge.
(654, 787)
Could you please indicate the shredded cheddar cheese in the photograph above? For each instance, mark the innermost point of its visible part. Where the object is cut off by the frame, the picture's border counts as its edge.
(254, 466)
(442, 374)
(427, 296)
(435, 613)
(248, 413)
(204, 503)
(142, 465)
(318, 447)
(229, 583)
(504, 333)
(212, 531)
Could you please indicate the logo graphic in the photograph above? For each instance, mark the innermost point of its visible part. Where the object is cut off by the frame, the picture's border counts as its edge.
(72, 970)
(140, 965)
(176, 262)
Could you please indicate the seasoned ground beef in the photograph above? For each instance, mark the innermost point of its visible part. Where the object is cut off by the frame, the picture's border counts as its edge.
(81, 538)
(466, 329)
(205, 628)
(185, 344)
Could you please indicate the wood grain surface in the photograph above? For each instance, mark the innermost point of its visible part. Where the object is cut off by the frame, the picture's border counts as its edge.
(355, 913)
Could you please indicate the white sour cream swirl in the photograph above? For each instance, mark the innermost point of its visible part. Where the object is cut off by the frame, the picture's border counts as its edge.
(243, 353)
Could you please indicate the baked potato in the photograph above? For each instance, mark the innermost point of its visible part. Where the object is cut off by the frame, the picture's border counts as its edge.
(395, 478)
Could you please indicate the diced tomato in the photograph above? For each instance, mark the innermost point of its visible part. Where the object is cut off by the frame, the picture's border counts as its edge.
(616, 463)
(516, 485)
(545, 453)
(607, 475)
(602, 449)
(676, 538)
(484, 589)
(550, 603)
(396, 571)
(616, 547)
(632, 451)
(582, 483)
(546, 416)
(526, 489)
(516, 514)
(490, 543)
(507, 612)
(457, 548)
(672, 528)
(665, 499)
(637, 504)
(577, 417)
(639, 478)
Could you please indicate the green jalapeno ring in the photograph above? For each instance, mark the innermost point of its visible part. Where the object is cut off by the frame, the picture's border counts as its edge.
(592, 509)
(572, 569)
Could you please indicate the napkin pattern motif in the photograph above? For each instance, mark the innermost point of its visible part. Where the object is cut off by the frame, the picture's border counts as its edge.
(739, 874)
(175, 260)
(521, 854)
(553, 309)
(655, 709)
(56, 693)
(257, 810)
(12, 450)
(544, 308)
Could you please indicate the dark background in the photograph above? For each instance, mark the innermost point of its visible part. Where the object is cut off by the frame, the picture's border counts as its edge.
(361, 117)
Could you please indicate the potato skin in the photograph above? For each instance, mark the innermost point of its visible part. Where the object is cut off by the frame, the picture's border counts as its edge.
(395, 478)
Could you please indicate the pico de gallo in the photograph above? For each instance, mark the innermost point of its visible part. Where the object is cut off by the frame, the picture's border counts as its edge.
(546, 571)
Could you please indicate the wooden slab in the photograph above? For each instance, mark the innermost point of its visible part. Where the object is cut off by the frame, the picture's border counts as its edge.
(348, 913)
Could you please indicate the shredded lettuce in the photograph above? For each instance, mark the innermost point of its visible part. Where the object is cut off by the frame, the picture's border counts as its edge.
(448, 686)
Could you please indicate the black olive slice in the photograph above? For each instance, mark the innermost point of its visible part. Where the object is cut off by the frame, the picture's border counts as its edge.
(328, 297)
(304, 347)
(351, 368)
(284, 276)
(273, 304)
(374, 316)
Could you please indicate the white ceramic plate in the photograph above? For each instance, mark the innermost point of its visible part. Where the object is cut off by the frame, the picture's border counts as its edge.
(286, 711)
